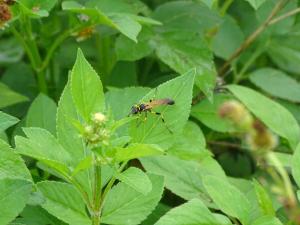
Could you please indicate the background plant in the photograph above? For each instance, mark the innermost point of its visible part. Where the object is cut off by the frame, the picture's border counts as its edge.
(71, 155)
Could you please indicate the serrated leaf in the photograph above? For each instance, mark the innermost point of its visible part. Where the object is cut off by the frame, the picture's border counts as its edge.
(135, 151)
(282, 122)
(192, 212)
(13, 197)
(64, 202)
(136, 179)
(9, 97)
(154, 130)
(126, 206)
(86, 87)
(276, 83)
(42, 113)
(11, 164)
(7, 121)
(228, 198)
(184, 178)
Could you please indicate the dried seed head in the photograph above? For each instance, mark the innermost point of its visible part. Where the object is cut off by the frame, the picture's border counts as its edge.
(5, 13)
(9, 2)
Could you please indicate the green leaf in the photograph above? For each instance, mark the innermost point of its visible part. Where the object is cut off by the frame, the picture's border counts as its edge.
(159, 211)
(296, 166)
(124, 22)
(7, 121)
(10, 51)
(42, 113)
(264, 200)
(135, 151)
(276, 83)
(266, 220)
(126, 206)
(14, 194)
(11, 164)
(154, 130)
(136, 179)
(192, 212)
(9, 97)
(190, 144)
(37, 8)
(68, 136)
(127, 49)
(282, 122)
(228, 39)
(256, 3)
(184, 178)
(36, 215)
(64, 202)
(86, 87)
(207, 112)
(181, 43)
(41, 145)
(228, 198)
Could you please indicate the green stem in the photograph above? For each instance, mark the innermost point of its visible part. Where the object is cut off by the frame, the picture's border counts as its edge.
(96, 216)
(225, 7)
(284, 176)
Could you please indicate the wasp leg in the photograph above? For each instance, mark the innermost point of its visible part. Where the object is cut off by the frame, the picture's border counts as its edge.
(163, 120)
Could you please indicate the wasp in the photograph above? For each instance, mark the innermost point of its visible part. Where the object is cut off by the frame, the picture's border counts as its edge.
(148, 107)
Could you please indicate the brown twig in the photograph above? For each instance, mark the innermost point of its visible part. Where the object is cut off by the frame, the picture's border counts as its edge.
(252, 37)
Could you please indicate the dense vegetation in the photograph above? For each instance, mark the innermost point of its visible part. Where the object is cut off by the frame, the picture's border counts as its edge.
(128, 112)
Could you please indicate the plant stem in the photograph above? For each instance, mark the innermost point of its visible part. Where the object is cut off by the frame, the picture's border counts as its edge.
(225, 7)
(285, 178)
(284, 16)
(252, 37)
(96, 216)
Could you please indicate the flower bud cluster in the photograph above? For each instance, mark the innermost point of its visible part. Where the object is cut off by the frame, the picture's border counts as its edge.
(96, 133)
(258, 136)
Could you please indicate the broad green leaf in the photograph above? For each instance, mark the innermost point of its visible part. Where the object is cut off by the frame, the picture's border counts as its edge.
(184, 178)
(192, 212)
(86, 88)
(120, 101)
(154, 130)
(41, 145)
(37, 8)
(7, 121)
(266, 220)
(180, 42)
(190, 144)
(9, 97)
(292, 107)
(10, 51)
(296, 165)
(228, 39)
(67, 133)
(264, 200)
(282, 122)
(183, 52)
(276, 83)
(207, 112)
(42, 113)
(68, 136)
(127, 49)
(11, 164)
(13, 197)
(228, 198)
(123, 22)
(222, 219)
(36, 215)
(126, 206)
(136, 179)
(159, 211)
(135, 151)
(64, 202)
(256, 3)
